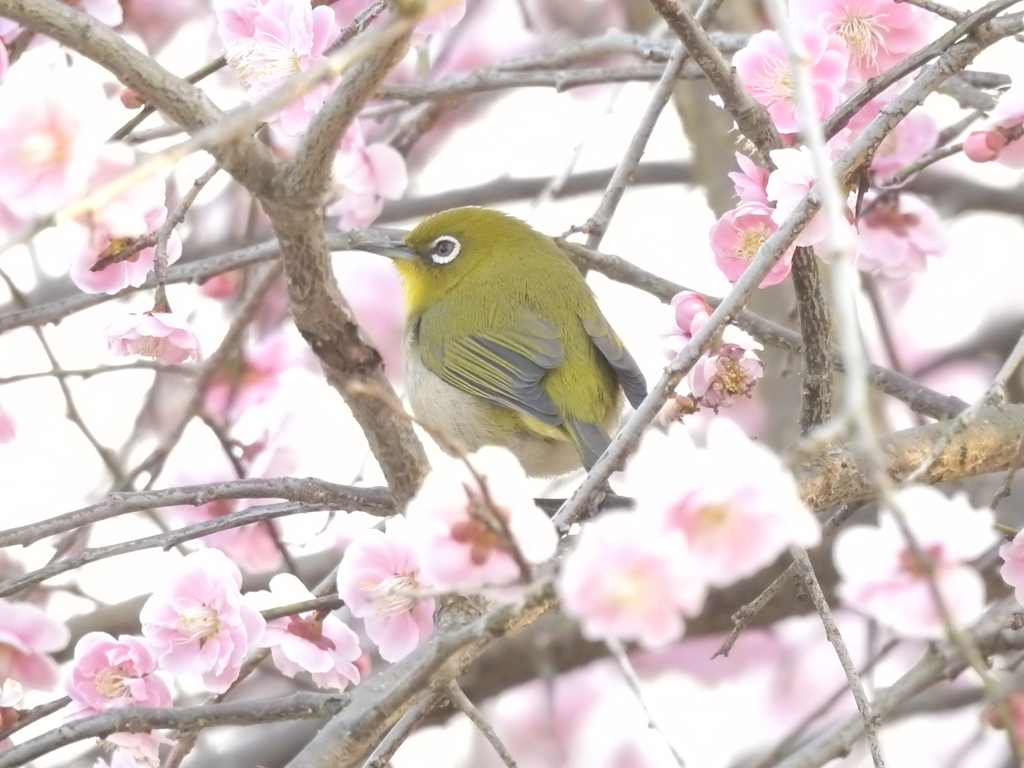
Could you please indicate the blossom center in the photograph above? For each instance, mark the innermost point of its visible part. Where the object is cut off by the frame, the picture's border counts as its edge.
(712, 515)
(750, 241)
(110, 682)
(261, 64)
(198, 623)
(863, 34)
(394, 595)
(44, 148)
(778, 80)
(628, 587)
(913, 566)
(311, 629)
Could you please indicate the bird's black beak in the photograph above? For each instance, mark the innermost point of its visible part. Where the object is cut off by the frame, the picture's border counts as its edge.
(387, 243)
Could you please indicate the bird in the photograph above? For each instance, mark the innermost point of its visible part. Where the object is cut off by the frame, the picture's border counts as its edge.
(505, 343)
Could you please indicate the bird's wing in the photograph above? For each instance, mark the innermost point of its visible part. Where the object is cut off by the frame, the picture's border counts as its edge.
(614, 351)
(504, 365)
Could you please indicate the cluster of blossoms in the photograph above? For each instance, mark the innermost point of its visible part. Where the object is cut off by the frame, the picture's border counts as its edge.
(725, 373)
(635, 575)
(472, 526)
(844, 43)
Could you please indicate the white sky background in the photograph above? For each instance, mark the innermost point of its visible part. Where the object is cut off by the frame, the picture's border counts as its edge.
(50, 469)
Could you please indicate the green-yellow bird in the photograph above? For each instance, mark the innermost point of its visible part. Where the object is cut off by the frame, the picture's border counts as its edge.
(505, 343)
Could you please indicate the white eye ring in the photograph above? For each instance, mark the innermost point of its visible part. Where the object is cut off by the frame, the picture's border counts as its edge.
(444, 249)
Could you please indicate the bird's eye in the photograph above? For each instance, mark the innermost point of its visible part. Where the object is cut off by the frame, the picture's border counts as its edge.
(444, 249)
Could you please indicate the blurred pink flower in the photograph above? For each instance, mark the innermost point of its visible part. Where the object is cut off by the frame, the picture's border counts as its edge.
(1012, 570)
(4, 60)
(8, 426)
(251, 547)
(130, 216)
(367, 174)
(898, 234)
(878, 33)
(107, 11)
(735, 522)
(443, 20)
(763, 67)
(160, 335)
(736, 237)
(157, 21)
(322, 645)
(541, 720)
(198, 623)
(27, 637)
(881, 576)
(723, 376)
(450, 523)
(267, 41)
(378, 579)
(373, 289)
(625, 579)
(788, 185)
(253, 376)
(107, 674)
(905, 144)
(991, 142)
(750, 181)
(50, 138)
(687, 313)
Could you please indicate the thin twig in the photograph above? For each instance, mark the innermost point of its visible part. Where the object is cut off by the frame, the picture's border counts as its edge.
(618, 652)
(407, 723)
(468, 708)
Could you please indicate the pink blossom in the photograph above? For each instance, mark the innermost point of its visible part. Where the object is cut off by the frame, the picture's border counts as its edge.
(4, 60)
(687, 313)
(367, 174)
(8, 426)
(878, 33)
(252, 547)
(321, 645)
(156, 21)
(884, 579)
(378, 579)
(1012, 569)
(27, 637)
(991, 143)
(750, 181)
(905, 144)
(787, 186)
(130, 216)
(267, 41)
(736, 238)
(736, 504)
(983, 146)
(625, 580)
(49, 135)
(373, 289)
(107, 11)
(763, 67)
(107, 674)
(898, 234)
(451, 520)
(160, 335)
(724, 375)
(198, 623)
